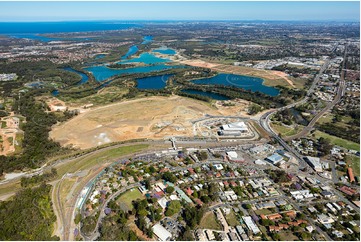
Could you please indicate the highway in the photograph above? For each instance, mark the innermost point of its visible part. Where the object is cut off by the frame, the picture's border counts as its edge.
(340, 92)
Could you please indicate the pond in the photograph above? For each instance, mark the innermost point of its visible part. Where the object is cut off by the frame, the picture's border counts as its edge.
(153, 82)
(253, 84)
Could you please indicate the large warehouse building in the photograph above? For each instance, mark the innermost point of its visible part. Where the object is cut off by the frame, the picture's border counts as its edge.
(315, 163)
(233, 129)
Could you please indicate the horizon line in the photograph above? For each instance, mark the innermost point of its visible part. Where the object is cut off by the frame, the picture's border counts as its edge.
(179, 20)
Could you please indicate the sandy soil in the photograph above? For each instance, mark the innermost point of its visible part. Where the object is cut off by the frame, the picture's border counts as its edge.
(284, 76)
(153, 117)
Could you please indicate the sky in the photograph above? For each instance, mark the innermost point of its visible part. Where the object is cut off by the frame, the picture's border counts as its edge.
(66, 11)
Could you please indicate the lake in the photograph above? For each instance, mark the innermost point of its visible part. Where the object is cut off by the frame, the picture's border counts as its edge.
(165, 51)
(102, 73)
(153, 82)
(131, 51)
(206, 94)
(253, 84)
(146, 58)
(84, 78)
(100, 56)
(147, 39)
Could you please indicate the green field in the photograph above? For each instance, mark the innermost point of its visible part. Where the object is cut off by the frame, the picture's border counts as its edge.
(328, 118)
(128, 197)
(286, 131)
(355, 164)
(263, 211)
(338, 141)
(105, 156)
(209, 221)
(232, 219)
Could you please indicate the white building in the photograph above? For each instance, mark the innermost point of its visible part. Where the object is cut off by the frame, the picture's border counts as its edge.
(301, 194)
(162, 233)
(260, 162)
(315, 163)
(163, 202)
(233, 129)
(251, 225)
(232, 155)
(238, 126)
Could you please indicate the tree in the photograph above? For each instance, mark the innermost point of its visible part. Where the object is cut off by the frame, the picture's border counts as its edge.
(169, 189)
(77, 218)
(173, 208)
(203, 155)
(168, 176)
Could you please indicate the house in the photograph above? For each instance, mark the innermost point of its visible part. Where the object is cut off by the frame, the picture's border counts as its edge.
(350, 174)
(189, 191)
(347, 190)
(275, 216)
(163, 202)
(324, 219)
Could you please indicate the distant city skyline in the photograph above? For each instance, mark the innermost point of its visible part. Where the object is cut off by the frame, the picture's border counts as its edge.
(68, 11)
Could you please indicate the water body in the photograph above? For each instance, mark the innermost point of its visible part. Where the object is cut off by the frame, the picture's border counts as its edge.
(61, 27)
(206, 94)
(147, 39)
(84, 78)
(132, 50)
(102, 73)
(246, 82)
(153, 82)
(55, 93)
(146, 58)
(31, 30)
(34, 37)
(165, 51)
(100, 56)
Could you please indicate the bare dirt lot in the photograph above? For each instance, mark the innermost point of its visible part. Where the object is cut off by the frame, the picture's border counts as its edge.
(153, 117)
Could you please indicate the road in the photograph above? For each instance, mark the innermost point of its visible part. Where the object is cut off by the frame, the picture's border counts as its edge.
(95, 233)
(340, 92)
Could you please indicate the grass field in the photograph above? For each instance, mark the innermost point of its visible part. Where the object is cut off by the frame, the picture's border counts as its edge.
(98, 158)
(328, 118)
(261, 131)
(9, 188)
(338, 141)
(286, 131)
(263, 211)
(209, 222)
(232, 219)
(354, 161)
(103, 97)
(287, 236)
(128, 197)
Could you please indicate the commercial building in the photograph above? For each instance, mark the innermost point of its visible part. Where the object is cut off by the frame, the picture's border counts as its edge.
(251, 225)
(162, 233)
(233, 129)
(314, 163)
(232, 155)
(275, 159)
